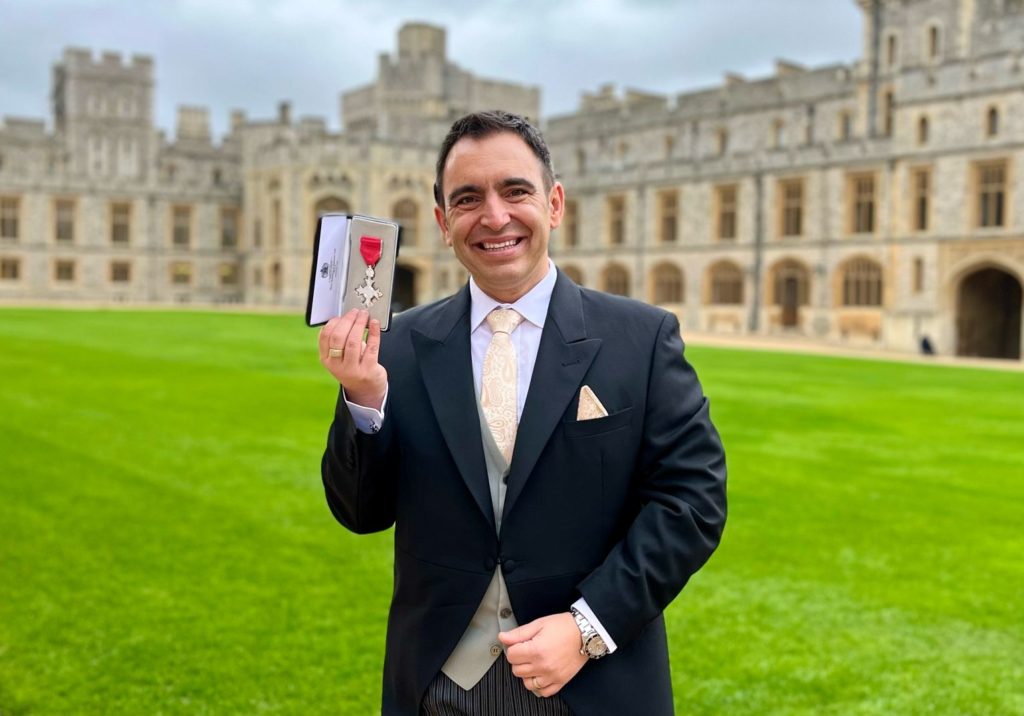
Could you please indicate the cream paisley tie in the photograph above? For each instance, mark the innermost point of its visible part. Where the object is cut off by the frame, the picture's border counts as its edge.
(498, 387)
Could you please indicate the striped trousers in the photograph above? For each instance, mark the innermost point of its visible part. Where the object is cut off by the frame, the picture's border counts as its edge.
(498, 693)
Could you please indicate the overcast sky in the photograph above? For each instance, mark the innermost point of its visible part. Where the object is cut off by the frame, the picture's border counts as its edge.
(251, 54)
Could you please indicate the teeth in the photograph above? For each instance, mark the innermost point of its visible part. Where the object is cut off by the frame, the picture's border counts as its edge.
(503, 245)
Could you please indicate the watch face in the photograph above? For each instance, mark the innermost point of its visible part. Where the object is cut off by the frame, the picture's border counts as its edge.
(596, 646)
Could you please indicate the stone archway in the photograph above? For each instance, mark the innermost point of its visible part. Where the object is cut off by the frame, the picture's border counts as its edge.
(404, 292)
(988, 314)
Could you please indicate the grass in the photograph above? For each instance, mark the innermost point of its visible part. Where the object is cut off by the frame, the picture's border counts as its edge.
(165, 547)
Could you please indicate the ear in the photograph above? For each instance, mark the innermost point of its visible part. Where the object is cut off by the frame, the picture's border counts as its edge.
(556, 204)
(442, 223)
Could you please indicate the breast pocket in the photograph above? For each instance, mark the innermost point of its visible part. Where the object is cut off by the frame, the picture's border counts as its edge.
(597, 426)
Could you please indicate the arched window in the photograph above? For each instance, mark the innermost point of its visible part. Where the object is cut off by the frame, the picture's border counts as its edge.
(406, 213)
(726, 279)
(668, 284)
(330, 205)
(615, 279)
(992, 122)
(573, 273)
(862, 283)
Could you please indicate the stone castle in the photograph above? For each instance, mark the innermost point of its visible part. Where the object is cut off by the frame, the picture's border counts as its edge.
(874, 204)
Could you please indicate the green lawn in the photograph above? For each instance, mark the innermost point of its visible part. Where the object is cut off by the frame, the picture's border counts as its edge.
(165, 547)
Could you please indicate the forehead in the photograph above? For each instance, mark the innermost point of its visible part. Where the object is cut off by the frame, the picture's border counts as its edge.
(493, 157)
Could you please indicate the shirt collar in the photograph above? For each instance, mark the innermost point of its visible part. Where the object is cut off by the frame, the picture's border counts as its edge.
(533, 306)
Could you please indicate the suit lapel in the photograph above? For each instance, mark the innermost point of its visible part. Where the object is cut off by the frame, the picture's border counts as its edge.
(563, 358)
(445, 362)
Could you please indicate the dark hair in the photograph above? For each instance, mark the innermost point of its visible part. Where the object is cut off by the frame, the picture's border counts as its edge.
(483, 124)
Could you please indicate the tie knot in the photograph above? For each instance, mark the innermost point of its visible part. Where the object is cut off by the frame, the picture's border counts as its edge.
(503, 320)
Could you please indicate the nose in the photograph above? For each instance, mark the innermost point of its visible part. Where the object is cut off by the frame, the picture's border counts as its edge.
(495, 213)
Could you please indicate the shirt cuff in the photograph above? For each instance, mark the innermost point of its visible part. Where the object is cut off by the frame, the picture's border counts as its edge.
(583, 608)
(367, 420)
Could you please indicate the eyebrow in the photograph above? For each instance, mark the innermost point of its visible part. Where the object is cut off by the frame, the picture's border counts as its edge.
(504, 184)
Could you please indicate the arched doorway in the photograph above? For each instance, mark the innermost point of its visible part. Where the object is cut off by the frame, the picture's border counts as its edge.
(791, 290)
(404, 292)
(988, 315)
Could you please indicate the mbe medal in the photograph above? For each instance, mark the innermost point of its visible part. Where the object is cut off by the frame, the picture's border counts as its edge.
(370, 250)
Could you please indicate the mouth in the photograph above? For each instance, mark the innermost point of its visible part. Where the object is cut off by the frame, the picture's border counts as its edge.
(495, 247)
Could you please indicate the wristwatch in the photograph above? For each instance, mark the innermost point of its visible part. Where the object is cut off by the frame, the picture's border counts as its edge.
(593, 645)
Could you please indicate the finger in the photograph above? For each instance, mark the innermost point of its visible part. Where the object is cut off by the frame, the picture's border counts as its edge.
(520, 634)
(372, 342)
(523, 670)
(333, 334)
(522, 653)
(354, 339)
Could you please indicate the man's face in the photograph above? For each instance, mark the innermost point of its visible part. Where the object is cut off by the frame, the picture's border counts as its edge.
(497, 216)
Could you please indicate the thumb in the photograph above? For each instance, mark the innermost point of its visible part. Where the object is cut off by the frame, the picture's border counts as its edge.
(521, 633)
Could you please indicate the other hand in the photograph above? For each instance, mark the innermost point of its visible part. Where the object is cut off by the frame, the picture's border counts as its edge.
(364, 379)
(545, 653)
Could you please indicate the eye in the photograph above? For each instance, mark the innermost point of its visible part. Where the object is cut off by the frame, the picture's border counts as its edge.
(518, 192)
(465, 200)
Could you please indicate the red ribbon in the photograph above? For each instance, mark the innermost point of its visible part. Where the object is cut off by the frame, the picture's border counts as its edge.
(369, 249)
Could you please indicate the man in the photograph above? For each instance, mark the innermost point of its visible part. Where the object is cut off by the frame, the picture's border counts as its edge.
(551, 470)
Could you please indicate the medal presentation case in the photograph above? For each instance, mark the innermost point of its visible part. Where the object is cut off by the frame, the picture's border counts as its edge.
(353, 267)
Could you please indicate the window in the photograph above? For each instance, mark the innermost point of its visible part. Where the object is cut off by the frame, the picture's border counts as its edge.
(845, 126)
(918, 275)
(725, 200)
(921, 192)
(922, 130)
(573, 273)
(275, 224)
(862, 283)
(327, 205)
(64, 220)
(10, 269)
(668, 284)
(64, 270)
(991, 178)
(778, 132)
(891, 51)
(570, 225)
(120, 224)
(616, 210)
(9, 217)
(888, 116)
(406, 213)
(228, 274)
(992, 122)
(862, 214)
(181, 230)
(726, 284)
(181, 273)
(670, 145)
(934, 45)
(791, 216)
(615, 280)
(721, 141)
(228, 227)
(120, 271)
(668, 220)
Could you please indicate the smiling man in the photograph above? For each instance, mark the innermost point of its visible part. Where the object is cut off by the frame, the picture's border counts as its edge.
(544, 452)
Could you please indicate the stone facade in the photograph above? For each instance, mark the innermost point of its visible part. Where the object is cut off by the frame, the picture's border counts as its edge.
(875, 204)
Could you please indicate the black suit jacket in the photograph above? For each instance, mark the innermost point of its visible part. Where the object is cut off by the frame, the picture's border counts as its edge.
(620, 509)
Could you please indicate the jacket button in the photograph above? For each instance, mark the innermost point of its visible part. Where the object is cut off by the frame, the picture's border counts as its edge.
(495, 649)
(508, 566)
(505, 613)
(490, 564)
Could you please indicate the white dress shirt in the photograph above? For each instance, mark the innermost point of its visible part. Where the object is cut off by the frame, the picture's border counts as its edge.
(533, 307)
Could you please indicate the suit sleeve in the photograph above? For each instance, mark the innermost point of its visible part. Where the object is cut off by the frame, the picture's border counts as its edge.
(680, 484)
(359, 473)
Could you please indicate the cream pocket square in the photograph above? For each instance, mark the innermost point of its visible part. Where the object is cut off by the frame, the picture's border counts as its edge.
(590, 407)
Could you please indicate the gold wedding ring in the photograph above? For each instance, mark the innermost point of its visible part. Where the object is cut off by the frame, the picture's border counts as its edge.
(536, 687)
(336, 353)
